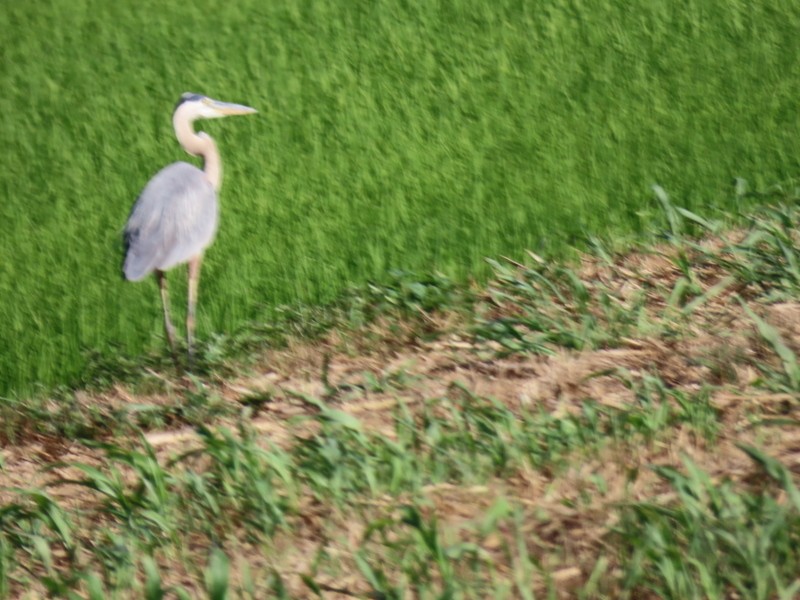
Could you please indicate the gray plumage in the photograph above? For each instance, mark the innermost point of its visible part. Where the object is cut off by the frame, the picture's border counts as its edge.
(174, 219)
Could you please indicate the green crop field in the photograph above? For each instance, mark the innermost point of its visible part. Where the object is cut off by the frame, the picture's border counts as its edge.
(416, 135)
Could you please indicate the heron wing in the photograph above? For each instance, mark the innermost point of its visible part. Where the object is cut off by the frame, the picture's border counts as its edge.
(173, 220)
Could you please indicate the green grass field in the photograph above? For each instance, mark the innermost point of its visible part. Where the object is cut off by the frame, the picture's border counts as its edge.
(424, 136)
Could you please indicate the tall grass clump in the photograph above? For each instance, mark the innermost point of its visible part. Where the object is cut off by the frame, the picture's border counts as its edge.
(716, 540)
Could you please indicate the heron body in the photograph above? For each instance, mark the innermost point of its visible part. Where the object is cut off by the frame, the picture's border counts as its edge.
(174, 220)
(175, 217)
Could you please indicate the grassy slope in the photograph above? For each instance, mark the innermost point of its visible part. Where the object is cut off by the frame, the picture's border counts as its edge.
(423, 136)
(622, 429)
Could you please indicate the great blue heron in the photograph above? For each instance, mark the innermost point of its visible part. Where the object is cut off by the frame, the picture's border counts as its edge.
(175, 217)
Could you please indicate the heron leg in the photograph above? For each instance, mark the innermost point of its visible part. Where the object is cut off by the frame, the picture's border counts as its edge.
(194, 278)
(169, 328)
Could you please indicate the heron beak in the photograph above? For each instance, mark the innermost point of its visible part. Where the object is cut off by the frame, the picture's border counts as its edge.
(227, 108)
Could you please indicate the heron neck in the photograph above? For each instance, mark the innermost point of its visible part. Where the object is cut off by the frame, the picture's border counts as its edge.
(200, 144)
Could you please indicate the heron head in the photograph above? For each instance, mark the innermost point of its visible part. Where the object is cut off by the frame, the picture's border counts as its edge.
(197, 106)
